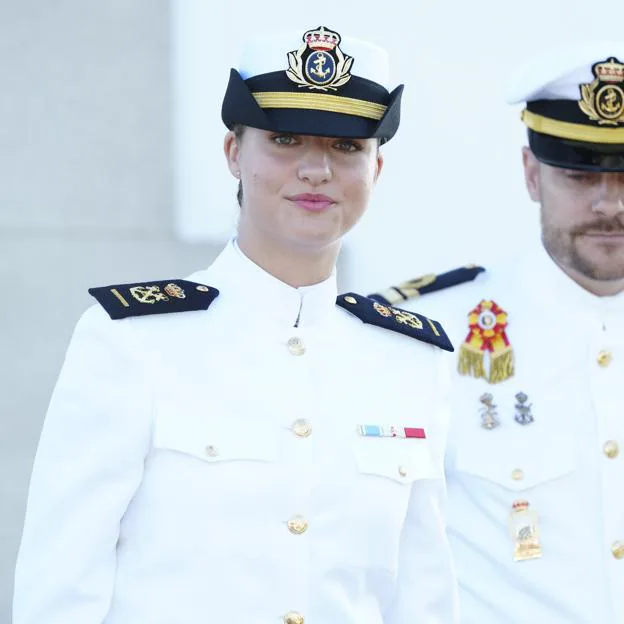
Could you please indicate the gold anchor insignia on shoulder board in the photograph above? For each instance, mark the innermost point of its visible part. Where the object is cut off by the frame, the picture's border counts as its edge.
(148, 294)
(487, 323)
(401, 316)
(524, 530)
(407, 318)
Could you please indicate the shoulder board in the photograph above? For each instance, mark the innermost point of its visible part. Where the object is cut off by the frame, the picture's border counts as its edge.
(143, 298)
(427, 284)
(401, 321)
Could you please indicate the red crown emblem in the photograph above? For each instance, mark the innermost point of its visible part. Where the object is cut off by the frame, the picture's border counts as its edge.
(322, 39)
(611, 71)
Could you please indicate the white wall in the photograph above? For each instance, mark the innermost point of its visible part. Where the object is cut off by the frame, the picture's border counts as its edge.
(85, 199)
(452, 190)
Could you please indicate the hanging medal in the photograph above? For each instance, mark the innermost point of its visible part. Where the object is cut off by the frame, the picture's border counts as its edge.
(486, 352)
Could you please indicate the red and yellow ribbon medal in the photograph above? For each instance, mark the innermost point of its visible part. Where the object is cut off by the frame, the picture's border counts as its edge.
(487, 323)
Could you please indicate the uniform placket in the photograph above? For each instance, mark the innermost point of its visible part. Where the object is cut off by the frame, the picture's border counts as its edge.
(606, 374)
(298, 452)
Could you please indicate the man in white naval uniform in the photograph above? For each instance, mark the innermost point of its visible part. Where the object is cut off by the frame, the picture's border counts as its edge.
(534, 467)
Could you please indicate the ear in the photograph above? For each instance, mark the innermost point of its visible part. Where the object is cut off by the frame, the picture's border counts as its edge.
(378, 166)
(532, 173)
(232, 153)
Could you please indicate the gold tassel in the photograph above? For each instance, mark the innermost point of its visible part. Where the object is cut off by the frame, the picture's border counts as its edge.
(501, 366)
(470, 362)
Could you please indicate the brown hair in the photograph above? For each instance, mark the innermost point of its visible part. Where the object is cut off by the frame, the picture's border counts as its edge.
(238, 131)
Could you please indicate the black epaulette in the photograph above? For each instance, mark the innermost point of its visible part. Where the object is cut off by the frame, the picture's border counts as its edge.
(408, 323)
(427, 284)
(143, 298)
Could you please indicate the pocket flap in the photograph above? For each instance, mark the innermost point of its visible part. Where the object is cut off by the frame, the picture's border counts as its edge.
(402, 460)
(517, 470)
(194, 433)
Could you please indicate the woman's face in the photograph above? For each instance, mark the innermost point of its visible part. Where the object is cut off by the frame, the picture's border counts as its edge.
(299, 191)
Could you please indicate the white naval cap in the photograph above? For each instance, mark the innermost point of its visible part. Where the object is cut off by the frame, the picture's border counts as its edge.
(558, 72)
(574, 99)
(262, 54)
(316, 82)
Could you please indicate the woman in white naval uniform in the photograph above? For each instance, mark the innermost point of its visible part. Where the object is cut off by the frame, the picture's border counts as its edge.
(219, 448)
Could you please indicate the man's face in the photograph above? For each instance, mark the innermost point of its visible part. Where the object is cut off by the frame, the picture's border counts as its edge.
(582, 216)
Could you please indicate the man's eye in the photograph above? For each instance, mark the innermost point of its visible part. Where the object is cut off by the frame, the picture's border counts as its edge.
(580, 176)
(284, 139)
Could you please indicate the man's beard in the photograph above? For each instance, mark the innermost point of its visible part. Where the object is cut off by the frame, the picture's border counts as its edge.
(563, 247)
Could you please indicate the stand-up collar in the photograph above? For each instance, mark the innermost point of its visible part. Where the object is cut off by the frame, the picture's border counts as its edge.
(243, 283)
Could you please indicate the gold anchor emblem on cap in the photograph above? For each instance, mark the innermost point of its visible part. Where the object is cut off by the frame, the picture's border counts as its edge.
(319, 63)
(602, 100)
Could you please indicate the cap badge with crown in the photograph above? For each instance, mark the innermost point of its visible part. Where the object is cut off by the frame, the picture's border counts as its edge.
(602, 100)
(319, 63)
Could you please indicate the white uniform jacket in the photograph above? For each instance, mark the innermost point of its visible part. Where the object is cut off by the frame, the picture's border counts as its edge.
(566, 463)
(204, 467)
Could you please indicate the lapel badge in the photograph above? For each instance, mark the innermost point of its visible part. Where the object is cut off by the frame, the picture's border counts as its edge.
(524, 529)
(602, 100)
(319, 63)
(523, 414)
(489, 416)
(487, 323)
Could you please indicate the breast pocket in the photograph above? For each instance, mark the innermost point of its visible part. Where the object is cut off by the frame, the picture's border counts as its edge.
(205, 478)
(389, 473)
(402, 461)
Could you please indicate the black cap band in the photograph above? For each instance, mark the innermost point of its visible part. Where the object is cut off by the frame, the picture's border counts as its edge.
(362, 109)
(576, 154)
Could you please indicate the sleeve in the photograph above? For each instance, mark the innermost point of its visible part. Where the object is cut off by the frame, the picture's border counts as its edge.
(427, 585)
(88, 465)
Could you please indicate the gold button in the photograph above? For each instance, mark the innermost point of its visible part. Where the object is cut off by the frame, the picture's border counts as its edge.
(350, 299)
(211, 451)
(302, 428)
(292, 617)
(517, 474)
(202, 288)
(295, 346)
(611, 449)
(403, 471)
(297, 525)
(604, 358)
(618, 550)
